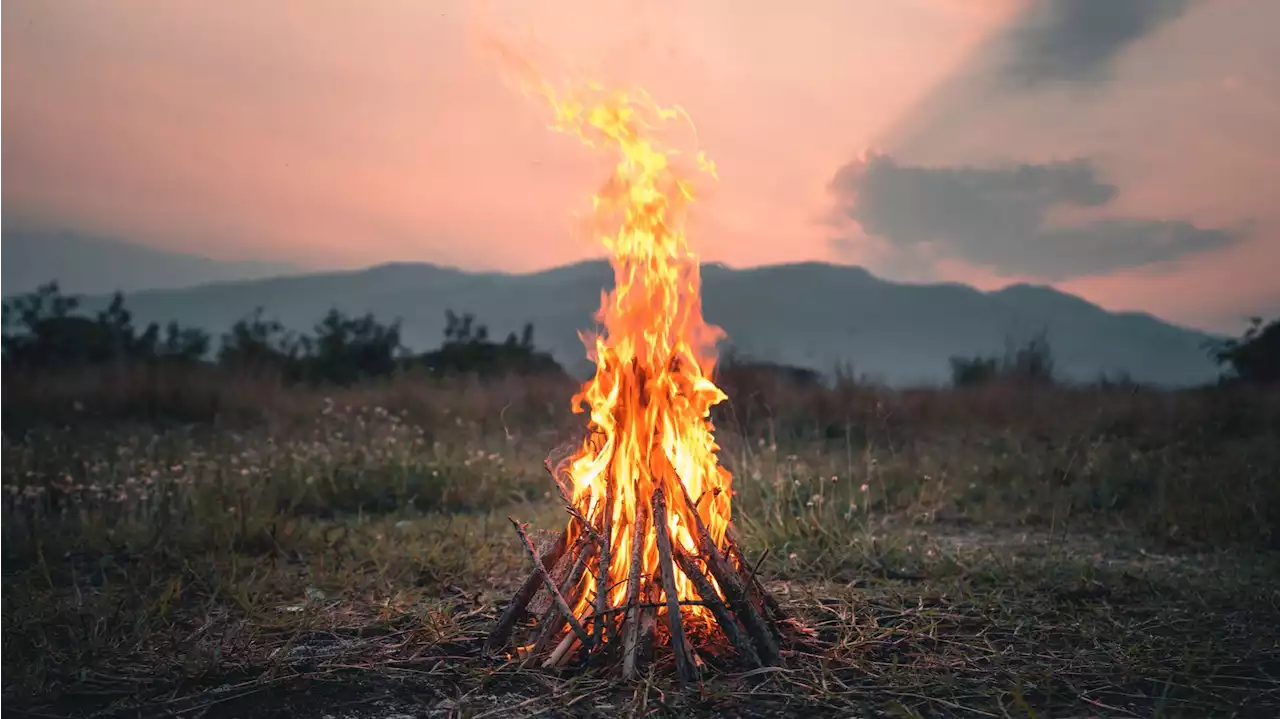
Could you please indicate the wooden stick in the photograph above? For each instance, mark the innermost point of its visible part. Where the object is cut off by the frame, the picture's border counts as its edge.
(563, 651)
(751, 577)
(686, 672)
(587, 526)
(653, 605)
(602, 578)
(775, 616)
(553, 620)
(565, 493)
(507, 622)
(724, 618)
(736, 595)
(632, 621)
(551, 585)
(567, 496)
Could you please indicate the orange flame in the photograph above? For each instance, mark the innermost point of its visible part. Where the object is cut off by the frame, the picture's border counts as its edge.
(651, 396)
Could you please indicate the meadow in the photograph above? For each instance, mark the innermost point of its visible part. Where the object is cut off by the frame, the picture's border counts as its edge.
(201, 545)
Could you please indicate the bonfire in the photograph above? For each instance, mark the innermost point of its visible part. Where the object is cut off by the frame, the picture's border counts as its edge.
(648, 560)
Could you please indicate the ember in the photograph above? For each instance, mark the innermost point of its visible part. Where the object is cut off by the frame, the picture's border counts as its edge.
(647, 559)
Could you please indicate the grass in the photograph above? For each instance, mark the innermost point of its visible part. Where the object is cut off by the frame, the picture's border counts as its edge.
(1001, 552)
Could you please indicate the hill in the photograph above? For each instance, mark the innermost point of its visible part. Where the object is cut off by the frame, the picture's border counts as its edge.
(91, 264)
(812, 315)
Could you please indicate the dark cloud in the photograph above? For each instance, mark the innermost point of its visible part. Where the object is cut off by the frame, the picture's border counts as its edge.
(996, 217)
(1079, 40)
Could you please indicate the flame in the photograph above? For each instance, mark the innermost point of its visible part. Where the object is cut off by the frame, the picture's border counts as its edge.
(650, 399)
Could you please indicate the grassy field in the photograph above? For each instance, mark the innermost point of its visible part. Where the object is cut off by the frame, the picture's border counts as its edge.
(997, 552)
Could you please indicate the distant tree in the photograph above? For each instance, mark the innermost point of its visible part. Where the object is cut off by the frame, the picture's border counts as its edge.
(257, 344)
(42, 331)
(1254, 356)
(1120, 380)
(185, 345)
(973, 371)
(468, 350)
(346, 349)
(741, 376)
(1029, 363)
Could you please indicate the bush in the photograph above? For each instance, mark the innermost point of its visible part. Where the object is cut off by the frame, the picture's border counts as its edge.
(467, 350)
(42, 331)
(346, 350)
(1255, 355)
(973, 371)
(255, 345)
(1031, 363)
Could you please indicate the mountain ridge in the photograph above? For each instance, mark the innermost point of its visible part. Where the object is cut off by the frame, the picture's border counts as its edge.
(810, 314)
(84, 263)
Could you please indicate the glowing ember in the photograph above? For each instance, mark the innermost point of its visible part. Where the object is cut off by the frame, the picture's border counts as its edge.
(649, 502)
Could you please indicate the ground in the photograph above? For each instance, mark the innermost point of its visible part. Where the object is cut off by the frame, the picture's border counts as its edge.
(1077, 556)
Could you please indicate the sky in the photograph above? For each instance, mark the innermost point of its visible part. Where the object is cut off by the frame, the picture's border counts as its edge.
(1121, 150)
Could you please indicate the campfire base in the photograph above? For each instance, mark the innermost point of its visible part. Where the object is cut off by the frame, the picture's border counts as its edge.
(747, 628)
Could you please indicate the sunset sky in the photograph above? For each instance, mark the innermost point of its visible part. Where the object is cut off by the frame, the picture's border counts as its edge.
(1123, 150)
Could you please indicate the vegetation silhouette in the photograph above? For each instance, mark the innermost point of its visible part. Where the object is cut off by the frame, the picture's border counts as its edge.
(1254, 357)
(45, 332)
(1031, 363)
(467, 350)
(42, 331)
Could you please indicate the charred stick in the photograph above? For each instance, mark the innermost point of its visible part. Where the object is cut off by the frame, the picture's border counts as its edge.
(551, 584)
(755, 569)
(632, 621)
(549, 625)
(648, 623)
(565, 493)
(736, 595)
(721, 612)
(553, 620)
(507, 622)
(752, 580)
(630, 640)
(651, 605)
(586, 524)
(756, 592)
(776, 617)
(602, 578)
(686, 672)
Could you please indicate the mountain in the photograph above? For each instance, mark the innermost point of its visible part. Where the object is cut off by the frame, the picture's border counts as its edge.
(812, 315)
(89, 264)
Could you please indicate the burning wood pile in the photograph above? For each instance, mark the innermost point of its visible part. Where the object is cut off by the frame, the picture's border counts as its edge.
(648, 559)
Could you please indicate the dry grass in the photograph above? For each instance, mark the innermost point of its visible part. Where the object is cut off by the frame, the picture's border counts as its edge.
(999, 553)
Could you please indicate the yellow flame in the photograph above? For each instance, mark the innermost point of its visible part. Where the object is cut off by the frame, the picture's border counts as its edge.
(650, 399)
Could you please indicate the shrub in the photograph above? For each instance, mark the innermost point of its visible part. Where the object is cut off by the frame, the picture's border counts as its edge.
(42, 331)
(1030, 363)
(467, 350)
(1255, 355)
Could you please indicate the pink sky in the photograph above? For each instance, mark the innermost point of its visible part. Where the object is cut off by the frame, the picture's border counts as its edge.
(338, 134)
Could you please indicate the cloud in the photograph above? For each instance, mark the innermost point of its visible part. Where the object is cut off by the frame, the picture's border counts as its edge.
(999, 218)
(1078, 41)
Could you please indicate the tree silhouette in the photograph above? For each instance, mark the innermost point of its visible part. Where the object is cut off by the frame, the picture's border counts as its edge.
(1029, 363)
(467, 350)
(345, 350)
(257, 344)
(1255, 355)
(42, 331)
